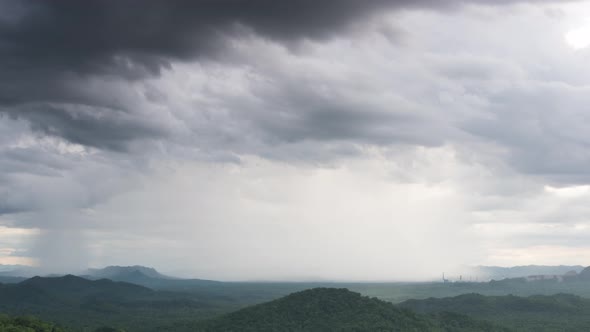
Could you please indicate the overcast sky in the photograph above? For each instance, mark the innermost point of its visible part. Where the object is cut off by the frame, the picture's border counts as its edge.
(294, 140)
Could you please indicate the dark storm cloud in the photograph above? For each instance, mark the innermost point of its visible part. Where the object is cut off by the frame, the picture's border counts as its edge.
(48, 47)
(339, 116)
(9, 208)
(102, 35)
(98, 127)
(133, 38)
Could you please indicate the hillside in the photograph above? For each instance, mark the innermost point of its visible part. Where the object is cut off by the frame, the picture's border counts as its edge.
(42, 293)
(331, 309)
(82, 304)
(26, 324)
(561, 312)
(79, 303)
(584, 275)
(11, 280)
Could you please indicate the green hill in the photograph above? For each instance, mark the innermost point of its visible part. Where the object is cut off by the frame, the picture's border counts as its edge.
(560, 312)
(83, 304)
(332, 309)
(42, 294)
(76, 286)
(26, 324)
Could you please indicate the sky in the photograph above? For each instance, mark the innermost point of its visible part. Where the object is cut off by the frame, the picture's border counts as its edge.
(301, 140)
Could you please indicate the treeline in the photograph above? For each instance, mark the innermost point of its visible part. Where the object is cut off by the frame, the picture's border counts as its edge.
(27, 324)
(538, 313)
(33, 324)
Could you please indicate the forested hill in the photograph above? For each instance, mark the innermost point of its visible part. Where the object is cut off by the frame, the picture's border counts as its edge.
(57, 291)
(84, 305)
(26, 324)
(560, 312)
(331, 309)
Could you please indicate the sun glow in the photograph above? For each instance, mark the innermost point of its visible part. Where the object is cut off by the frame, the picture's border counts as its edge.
(578, 38)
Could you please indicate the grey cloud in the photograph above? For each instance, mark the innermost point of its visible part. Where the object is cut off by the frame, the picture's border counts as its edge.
(32, 161)
(475, 68)
(341, 116)
(95, 74)
(127, 37)
(40, 174)
(7, 207)
(47, 48)
(290, 112)
(555, 235)
(96, 36)
(524, 119)
(100, 127)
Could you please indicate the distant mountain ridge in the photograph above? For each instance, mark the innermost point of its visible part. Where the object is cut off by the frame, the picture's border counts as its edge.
(21, 271)
(126, 272)
(584, 274)
(138, 273)
(8, 267)
(498, 272)
(145, 276)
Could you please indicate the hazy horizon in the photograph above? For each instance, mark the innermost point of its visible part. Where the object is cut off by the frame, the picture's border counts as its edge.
(266, 140)
(463, 274)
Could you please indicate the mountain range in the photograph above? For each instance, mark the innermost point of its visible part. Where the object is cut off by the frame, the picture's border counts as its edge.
(499, 273)
(82, 304)
(125, 272)
(146, 275)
